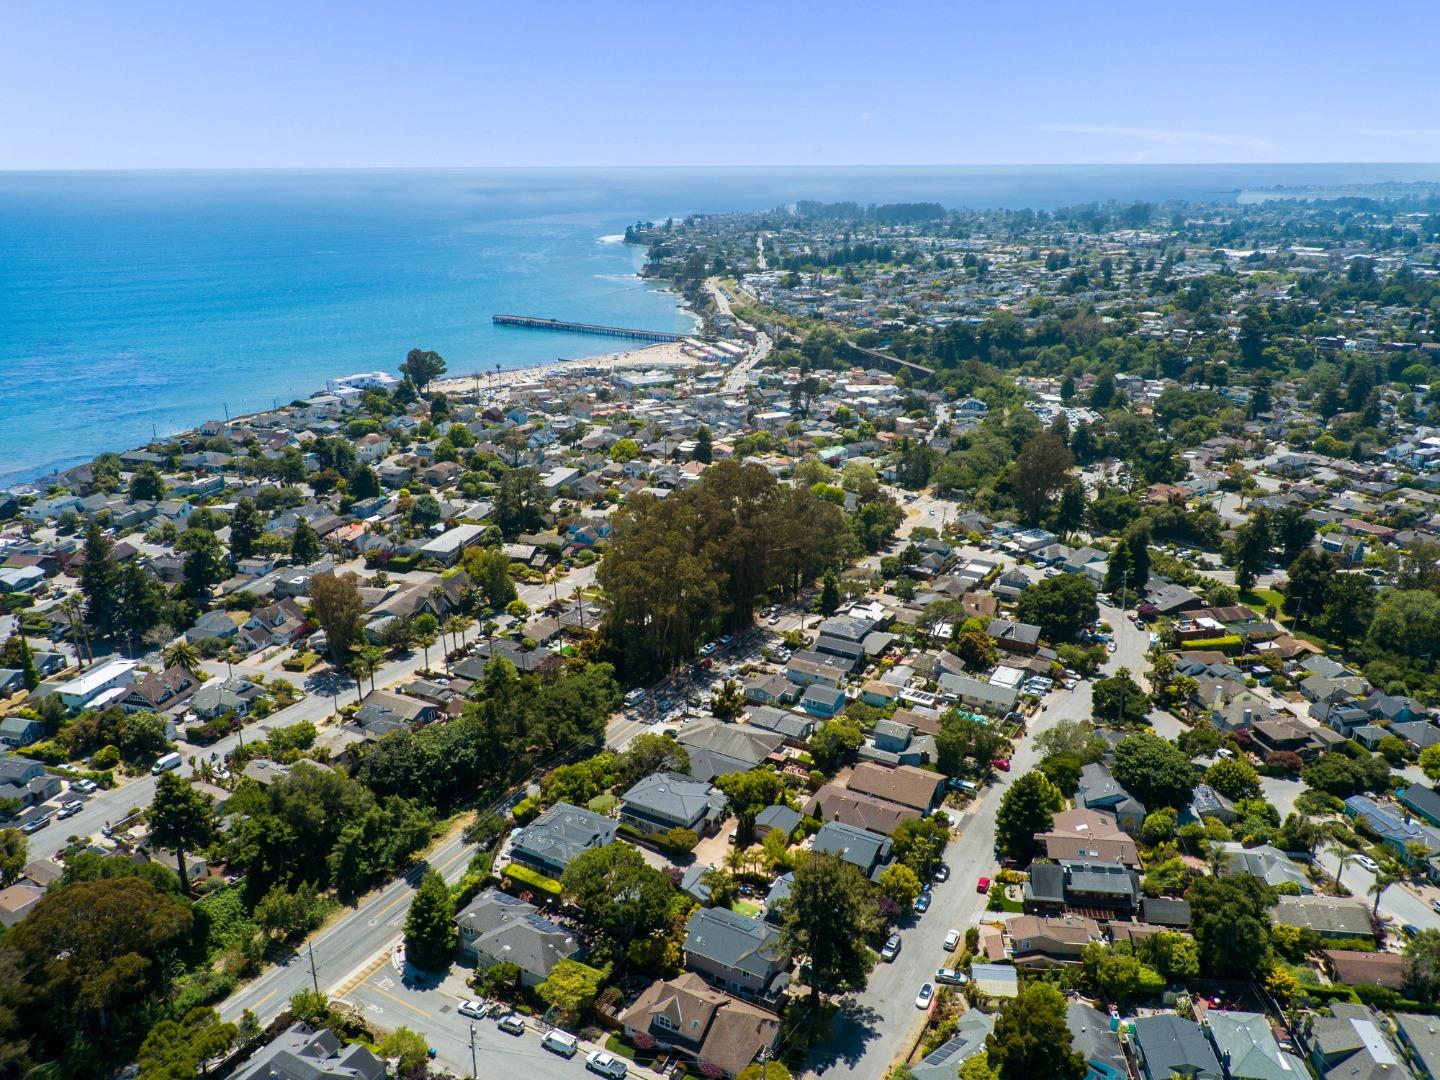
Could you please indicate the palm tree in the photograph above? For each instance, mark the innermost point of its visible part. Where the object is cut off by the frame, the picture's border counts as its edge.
(451, 626)
(1341, 851)
(425, 638)
(358, 668)
(374, 657)
(78, 632)
(1384, 878)
(183, 654)
(1215, 857)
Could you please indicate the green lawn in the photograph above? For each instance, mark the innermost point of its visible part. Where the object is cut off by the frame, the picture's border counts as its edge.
(744, 907)
(1259, 598)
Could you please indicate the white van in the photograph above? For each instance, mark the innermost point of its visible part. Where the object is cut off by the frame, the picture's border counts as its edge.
(634, 697)
(560, 1042)
(166, 763)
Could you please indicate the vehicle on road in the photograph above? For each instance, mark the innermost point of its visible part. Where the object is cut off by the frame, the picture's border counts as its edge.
(165, 763)
(511, 1024)
(560, 1042)
(891, 948)
(922, 903)
(951, 977)
(71, 808)
(634, 697)
(1435, 904)
(925, 996)
(983, 885)
(774, 619)
(1410, 930)
(708, 649)
(1001, 763)
(476, 1010)
(952, 940)
(1367, 862)
(34, 825)
(598, 1061)
(725, 639)
(1111, 647)
(942, 872)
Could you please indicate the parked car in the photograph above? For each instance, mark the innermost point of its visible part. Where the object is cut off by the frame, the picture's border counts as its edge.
(1410, 930)
(1003, 764)
(84, 785)
(34, 825)
(1367, 862)
(606, 1065)
(511, 1024)
(942, 873)
(925, 997)
(891, 948)
(922, 903)
(983, 885)
(560, 1042)
(634, 697)
(951, 977)
(708, 649)
(952, 940)
(69, 809)
(476, 1010)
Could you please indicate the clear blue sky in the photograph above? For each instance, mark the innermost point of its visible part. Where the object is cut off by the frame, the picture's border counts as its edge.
(298, 83)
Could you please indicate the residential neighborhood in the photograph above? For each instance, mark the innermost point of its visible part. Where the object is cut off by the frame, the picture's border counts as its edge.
(978, 627)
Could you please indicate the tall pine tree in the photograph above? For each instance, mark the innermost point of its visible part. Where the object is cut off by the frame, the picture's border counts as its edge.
(99, 580)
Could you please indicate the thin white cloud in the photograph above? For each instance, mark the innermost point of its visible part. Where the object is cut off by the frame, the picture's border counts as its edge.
(1420, 135)
(1172, 137)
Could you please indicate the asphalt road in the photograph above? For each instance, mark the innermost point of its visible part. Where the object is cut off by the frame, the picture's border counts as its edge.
(880, 1022)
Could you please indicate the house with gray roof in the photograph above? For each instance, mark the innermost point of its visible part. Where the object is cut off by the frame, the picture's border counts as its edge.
(1420, 1036)
(1168, 1045)
(868, 851)
(1328, 916)
(736, 953)
(1268, 863)
(796, 727)
(1247, 1048)
(972, 1028)
(306, 1053)
(551, 841)
(1100, 791)
(1091, 1036)
(666, 800)
(717, 748)
(1352, 1044)
(496, 927)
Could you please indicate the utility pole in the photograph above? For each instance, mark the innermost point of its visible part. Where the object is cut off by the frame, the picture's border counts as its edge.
(314, 980)
(474, 1072)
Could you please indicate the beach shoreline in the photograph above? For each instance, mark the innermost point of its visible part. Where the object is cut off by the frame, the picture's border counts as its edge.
(668, 354)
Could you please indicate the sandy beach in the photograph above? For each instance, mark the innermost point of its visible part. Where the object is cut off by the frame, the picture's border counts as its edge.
(666, 354)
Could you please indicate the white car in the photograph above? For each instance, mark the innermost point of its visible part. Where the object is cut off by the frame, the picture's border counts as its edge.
(925, 997)
(606, 1065)
(474, 1009)
(952, 940)
(1367, 862)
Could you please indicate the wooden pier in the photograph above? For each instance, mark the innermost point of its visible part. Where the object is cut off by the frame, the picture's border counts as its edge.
(534, 323)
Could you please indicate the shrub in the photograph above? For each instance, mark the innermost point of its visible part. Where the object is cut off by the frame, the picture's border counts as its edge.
(1229, 644)
(107, 757)
(678, 841)
(303, 661)
(532, 879)
(525, 811)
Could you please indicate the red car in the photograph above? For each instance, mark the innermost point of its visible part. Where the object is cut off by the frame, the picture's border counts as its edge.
(983, 885)
(1003, 764)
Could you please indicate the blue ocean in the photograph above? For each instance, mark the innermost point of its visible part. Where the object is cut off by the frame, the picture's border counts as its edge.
(139, 303)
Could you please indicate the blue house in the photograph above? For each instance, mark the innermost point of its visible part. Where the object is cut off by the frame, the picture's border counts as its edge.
(1090, 1034)
(823, 701)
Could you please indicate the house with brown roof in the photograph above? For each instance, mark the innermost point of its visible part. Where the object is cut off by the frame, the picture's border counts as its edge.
(1088, 834)
(835, 803)
(1038, 943)
(160, 691)
(1355, 968)
(903, 784)
(687, 1016)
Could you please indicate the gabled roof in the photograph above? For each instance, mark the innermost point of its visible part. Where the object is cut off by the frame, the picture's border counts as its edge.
(1174, 1045)
(734, 941)
(563, 832)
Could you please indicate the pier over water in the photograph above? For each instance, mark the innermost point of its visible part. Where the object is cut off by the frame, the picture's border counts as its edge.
(534, 323)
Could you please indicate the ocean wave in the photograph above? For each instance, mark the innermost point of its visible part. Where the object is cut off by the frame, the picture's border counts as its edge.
(613, 238)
